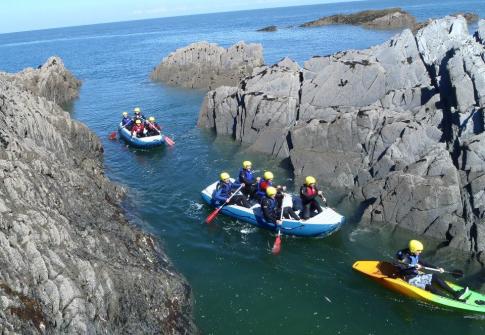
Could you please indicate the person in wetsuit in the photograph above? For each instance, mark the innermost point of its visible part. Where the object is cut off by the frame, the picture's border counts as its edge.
(410, 265)
(271, 205)
(126, 121)
(224, 190)
(138, 129)
(247, 178)
(152, 127)
(308, 195)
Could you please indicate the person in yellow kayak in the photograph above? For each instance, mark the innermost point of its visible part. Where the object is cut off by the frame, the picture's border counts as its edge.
(410, 264)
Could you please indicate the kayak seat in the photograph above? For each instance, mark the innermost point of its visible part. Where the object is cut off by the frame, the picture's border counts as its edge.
(388, 269)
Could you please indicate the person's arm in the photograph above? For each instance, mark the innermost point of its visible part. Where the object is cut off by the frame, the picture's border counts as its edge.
(218, 195)
(268, 216)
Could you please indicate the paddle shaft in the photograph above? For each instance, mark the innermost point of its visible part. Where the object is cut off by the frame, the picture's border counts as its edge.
(217, 210)
(456, 272)
(277, 243)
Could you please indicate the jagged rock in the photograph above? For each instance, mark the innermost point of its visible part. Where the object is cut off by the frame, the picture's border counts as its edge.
(397, 126)
(51, 80)
(206, 65)
(480, 34)
(71, 263)
(390, 18)
(469, 16)
(268, 29)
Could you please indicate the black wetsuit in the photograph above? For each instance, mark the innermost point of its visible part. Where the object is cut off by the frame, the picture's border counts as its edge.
(309, 201)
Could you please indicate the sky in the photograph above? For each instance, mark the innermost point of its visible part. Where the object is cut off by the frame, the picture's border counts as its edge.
(25, 15)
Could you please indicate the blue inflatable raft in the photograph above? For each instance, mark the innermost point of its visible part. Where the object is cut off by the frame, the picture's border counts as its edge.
(141, 142)
(320, 225)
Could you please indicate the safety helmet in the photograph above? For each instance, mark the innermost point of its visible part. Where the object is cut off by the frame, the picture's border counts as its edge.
(138, 121)
(310, 180)
(268, 175)
(270, 191)
(224, 176)
(246, 164)
(125, 113)
(415, 246)
(137, 110)
(151, 119)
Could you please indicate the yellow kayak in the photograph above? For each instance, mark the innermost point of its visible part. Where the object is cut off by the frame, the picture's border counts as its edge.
(386, 274)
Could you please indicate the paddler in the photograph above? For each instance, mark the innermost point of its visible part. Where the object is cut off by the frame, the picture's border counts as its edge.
(410, 265)
(308, 195)
(224, 190)
(247, 178)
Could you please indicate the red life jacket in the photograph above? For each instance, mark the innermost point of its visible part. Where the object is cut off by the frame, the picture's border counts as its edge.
(311, 191)
(137, 128)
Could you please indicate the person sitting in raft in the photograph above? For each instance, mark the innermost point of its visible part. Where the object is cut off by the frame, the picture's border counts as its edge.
(152, 127)
(138, 115)
(288, 212)
(264, 183)
(138, 129)
(308, 194)
(410, 264)
(269, 206)
(224, 190)
(126, 121)
(247, 178)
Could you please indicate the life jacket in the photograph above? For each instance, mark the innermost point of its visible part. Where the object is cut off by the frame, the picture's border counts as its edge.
(311, 191)
(222, 192)
(262, 186)
(407, 263)
(137, 128)
(247, 174)
(125, 121)
(268, 207)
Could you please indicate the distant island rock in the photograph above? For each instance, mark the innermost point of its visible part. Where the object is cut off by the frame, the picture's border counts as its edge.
(207, 65)
(268, 29)
(70, 261)
(390, 18)
(398, 127)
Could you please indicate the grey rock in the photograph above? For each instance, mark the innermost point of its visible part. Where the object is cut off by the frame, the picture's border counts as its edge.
(268, 29)
(480, 34)
(70, 262)
(390, 18)
(207, 65)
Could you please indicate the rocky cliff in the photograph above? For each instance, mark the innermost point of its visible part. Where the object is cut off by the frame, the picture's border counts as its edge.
(70, 262)
(207, 65)
(398, 126)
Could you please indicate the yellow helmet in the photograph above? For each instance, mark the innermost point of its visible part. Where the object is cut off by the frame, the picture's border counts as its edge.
(151, 119)
(137, 110)
(270, 191)
(125, 113)
(246, 164)
(224, 176)
(310, 180)
(415, 246)
(268, 175)
(138, 121)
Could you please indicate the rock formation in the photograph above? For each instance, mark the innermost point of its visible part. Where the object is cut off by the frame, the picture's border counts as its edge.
(206, 65)
(397, 126)
(268, 29)
(70, 262)
(390, 18)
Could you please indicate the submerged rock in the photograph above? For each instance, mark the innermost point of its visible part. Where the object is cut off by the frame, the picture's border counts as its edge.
(397, 126)
(71, 261)
(207, 65)
(390, 18)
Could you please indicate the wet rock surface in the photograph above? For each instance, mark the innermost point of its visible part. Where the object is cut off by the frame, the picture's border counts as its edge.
(70, 262)
(207, 65)
(397, 126)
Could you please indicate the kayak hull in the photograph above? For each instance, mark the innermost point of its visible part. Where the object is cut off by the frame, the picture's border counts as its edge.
(320, 225)
(142, 142)
(386, 274)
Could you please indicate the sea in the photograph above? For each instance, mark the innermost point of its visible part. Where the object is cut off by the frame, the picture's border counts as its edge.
(238, 286)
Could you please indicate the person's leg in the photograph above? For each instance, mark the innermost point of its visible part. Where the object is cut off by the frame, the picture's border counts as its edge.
(290, 213)
(306, 211)
(442, 284)
(316, 206)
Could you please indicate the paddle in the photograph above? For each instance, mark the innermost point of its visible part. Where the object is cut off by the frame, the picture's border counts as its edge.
(167, 139)
(277, 243)
(454, 273)
(217, 210)
(112, 136)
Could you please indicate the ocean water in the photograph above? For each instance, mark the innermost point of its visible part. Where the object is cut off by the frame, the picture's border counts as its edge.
(238, 286)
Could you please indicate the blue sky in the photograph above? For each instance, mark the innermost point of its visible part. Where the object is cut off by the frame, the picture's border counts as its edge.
(23, 15)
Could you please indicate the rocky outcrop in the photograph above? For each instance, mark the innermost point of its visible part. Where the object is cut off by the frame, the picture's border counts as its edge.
(390, 18)
(480, 34)
(207, 65)
(50, 80)
(268, 29)
(397, 126)
(70, 262)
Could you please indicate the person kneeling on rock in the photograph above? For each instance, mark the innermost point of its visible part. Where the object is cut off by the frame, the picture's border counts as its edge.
(308, 195)
(138, 129)
(224, 190)
(152, 127)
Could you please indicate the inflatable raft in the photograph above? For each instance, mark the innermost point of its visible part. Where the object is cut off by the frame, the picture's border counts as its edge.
(141, 142)
(319, 225)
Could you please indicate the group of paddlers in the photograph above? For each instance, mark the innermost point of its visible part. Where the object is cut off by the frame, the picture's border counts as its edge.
(139, 125)
(269, 196)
